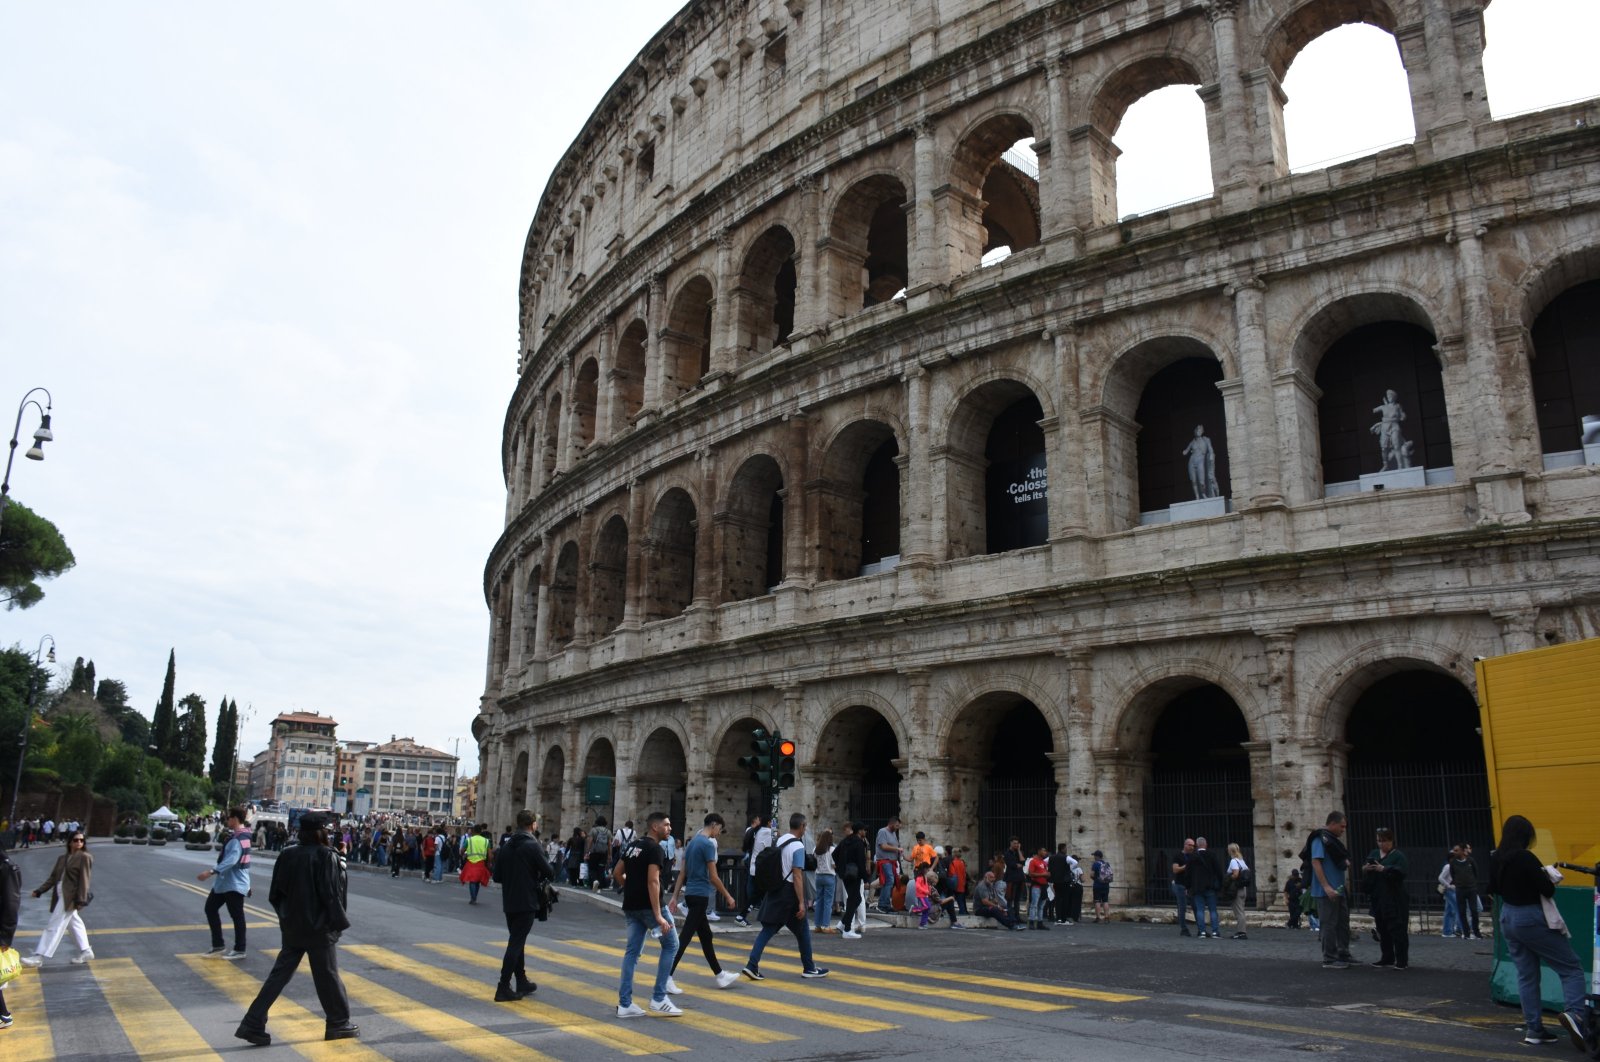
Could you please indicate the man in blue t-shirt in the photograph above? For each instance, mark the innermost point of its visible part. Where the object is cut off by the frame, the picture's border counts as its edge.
(697, 883)
(1330, 861)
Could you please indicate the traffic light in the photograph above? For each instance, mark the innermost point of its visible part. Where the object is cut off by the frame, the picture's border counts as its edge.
(784, 768)
(759, 763)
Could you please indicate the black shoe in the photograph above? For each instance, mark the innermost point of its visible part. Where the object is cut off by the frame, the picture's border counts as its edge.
(1185, 932)
(259, 1037)
(1540, 1036)
(505, 994)
(526, 988)
(1574, 1026)
(1239, 936)
(753, 973)
(1380, 964)
(347, 1031)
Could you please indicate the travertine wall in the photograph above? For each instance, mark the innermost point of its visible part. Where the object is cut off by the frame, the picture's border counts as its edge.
(656, 413)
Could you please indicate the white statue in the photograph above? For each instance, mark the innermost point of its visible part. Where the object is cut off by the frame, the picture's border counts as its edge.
(1394, 447)
(1202, 465)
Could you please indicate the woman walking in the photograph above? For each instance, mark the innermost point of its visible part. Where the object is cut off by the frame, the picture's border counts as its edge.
(827, 880)
(1238, 878)
(68, 885)
(1522, 885)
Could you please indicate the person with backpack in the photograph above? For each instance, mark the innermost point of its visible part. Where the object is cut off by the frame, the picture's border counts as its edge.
(619, 843)
(1102, 874)
(1235, 887)
(230, 884)
(475, 872)
(1292, 888)
(599, 849)
(760, 838)
(1330, 866)
(780, 874)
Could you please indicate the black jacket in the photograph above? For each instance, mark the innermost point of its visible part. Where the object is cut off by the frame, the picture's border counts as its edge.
(309, 892)
(519, 868)
(1204, 872)
(850, 858)
(10, 899)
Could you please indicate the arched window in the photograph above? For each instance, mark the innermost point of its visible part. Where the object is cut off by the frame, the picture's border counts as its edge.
(1183, 441)
(564, 597)
(753, 530)
(1016, 482)
(1164, 154)
(858, 503)
(764, 299)
(686, 341)
(995, 165)
(1382, 409)
(1556, 39)
(608, 577)
(585, 397)
(628, 376)
(867, 245)
(1108, 179)
(1331, 116)
(1566, 376)
(671, 565)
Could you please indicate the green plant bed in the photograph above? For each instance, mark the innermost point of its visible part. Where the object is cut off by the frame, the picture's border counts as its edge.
(141, 840)
(193, 847)
(120, 839)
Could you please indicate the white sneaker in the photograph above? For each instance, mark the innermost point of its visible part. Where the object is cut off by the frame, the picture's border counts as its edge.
(82, 957)
(231, 955)
(672, 988)
(632, 1010)
(665, 1006)
(850, 935)
(727, 979)
(712, 916)
(33, 960)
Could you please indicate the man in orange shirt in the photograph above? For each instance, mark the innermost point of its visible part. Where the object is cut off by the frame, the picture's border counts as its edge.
(922, 852)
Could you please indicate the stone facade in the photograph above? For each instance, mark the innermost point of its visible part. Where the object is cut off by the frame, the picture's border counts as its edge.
(757, 456)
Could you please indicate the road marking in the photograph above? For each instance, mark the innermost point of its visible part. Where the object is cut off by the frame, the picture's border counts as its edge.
(101, 930)
(813, 990)
(291, 1024)
(1322, 1032)
(200, 890)
(152, 1025)
(975, 979)
(29, 1039)
(708, 1023)
(615, 1036)
(440, 1025)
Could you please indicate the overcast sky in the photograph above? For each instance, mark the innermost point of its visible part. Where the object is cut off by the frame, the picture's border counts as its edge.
(265, 257)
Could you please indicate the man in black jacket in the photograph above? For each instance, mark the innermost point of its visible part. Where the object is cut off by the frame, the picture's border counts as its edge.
(850, 862)
(1205, 874)
(520, 869)
(309, 891)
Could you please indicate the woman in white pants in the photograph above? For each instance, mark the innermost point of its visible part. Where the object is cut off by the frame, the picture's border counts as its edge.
(69, 893)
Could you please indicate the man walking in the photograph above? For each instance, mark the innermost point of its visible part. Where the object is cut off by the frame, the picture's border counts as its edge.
(308, 891)
(641, 906)
(1180, 884)
(760, 840)
(698, 884)
(1330, 862)
(785, 904)
(230, 884)
(520, 869)
(886, 855)
(1205, 874)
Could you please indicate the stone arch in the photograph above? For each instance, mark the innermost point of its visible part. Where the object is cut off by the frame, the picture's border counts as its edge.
(1109, 100)
(751, 527)
(552, 785)
(585, 403)
(858, 501)
(995, 458)
(1131, 724)
(1299, 26)
(564, 597)
(1330, 696)
(1557, 306)
(608, 577)
(686, 337)
(671, 543)
(868, 246)
(1543, 280)
(519, 782)
(993, 200)
(854, 762)
(550, 456)
(628, 374)
(1002, 776)
(600, 761)
(661, 778)
(764, 300)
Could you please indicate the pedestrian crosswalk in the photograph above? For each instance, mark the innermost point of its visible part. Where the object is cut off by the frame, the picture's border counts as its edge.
(419, 1000)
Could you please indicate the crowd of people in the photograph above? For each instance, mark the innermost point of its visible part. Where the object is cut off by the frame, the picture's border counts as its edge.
(30, 832)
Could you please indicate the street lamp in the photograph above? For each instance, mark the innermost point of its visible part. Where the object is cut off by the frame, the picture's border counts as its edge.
(41, 435)
(238, 729)
(27, 726)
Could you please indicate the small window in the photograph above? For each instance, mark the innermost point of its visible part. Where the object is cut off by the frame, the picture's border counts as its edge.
(384, 777)
(646, 165)
(776, 56)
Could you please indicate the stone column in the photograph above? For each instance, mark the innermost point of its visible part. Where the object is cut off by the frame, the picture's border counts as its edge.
(706, 567)
(1447, 128)
(917, 547)
(1295, 397)
(1057, 190)
(567, 451)
(572, 781)
(724, 311)
(655, 314)
(634, 586)
(1262, 821)
(1080, 767)
(1069, 500)
(1255, 373)
(1234, 165)
(1061, 769)
(608, 406)
(1116, 823)
(1519, 629)
(925, 266)
(1489, 424)
(809, 313)
(699, 759)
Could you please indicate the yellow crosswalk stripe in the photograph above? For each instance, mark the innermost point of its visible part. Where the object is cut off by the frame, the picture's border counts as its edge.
(100, 930)
(825, 1018)
(814, 990)
(290, 1024)
(1008, 984)
(29, 1039)
(154, 1027)
(201, 890)
(440, 1025)
(708, 1023)
(620, 1038)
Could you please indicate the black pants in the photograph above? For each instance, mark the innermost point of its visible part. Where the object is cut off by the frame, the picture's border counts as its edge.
(697, 924)
(1394, 938)
(1014, 895)
(518, 925)
(234, 901)
(324, 974)
(1468, 914)
(852, 901)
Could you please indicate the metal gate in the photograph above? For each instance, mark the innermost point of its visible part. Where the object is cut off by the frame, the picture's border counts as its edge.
(1022, 807)
(873, 802)
(1430, 805)
(1209, 802)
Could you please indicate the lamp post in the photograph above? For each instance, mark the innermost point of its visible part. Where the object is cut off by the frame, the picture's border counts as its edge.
(27, 726)
(41, 435)
(238, 729)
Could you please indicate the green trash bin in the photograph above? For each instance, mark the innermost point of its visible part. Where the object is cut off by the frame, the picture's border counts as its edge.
(1578, 906)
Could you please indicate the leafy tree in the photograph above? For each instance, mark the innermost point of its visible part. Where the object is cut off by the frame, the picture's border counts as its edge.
(222, 753)
(17, 670)
(31, 549)
(112, 695)
(164, 724)
(88, 678)
(191, 743)
(76, 685)
(78, 747)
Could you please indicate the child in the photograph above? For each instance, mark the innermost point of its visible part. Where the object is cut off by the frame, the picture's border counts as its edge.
(921, 887)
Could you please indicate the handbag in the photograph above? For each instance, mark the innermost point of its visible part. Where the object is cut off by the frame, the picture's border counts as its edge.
(10, 965)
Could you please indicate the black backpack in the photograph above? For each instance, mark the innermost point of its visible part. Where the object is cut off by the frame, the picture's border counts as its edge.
(769, 865)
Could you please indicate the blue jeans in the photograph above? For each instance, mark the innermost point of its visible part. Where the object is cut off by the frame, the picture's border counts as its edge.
(1181, 894)
(438, 866)
(641, 923)
(826, 884)
(1035, 903)
(886, 872)
(1528, 940)
(802, 932)
(1205, 900)
(1452, 918)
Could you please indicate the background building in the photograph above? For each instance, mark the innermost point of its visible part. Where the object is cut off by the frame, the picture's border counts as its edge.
(347, 778)
(849, 405)
(403, 776)
(261, 780)
(303, 754)
(466, 805)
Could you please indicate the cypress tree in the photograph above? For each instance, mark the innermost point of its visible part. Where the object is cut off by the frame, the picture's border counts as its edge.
(227, 736)
(76, 685)
(164, 725)
(88, 678)
(192, 735)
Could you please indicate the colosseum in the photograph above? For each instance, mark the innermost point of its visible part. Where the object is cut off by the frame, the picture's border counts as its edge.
(848, 404)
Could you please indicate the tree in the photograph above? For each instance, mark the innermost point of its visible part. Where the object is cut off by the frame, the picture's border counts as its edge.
(191, 744)
(112, 696)
(31, 549)
(164, 724)
(17, 670)
(222, 755)
(79, 748)
(88, 678)
(76, 685)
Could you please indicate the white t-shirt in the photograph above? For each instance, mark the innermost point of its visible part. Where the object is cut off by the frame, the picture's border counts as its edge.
(793, 854)
(763, 840)
(1237, 864)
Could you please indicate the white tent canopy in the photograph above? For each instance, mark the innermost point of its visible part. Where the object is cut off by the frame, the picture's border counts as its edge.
(163, 814)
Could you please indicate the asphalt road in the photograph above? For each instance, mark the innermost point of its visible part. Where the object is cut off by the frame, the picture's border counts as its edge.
(420, 962)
